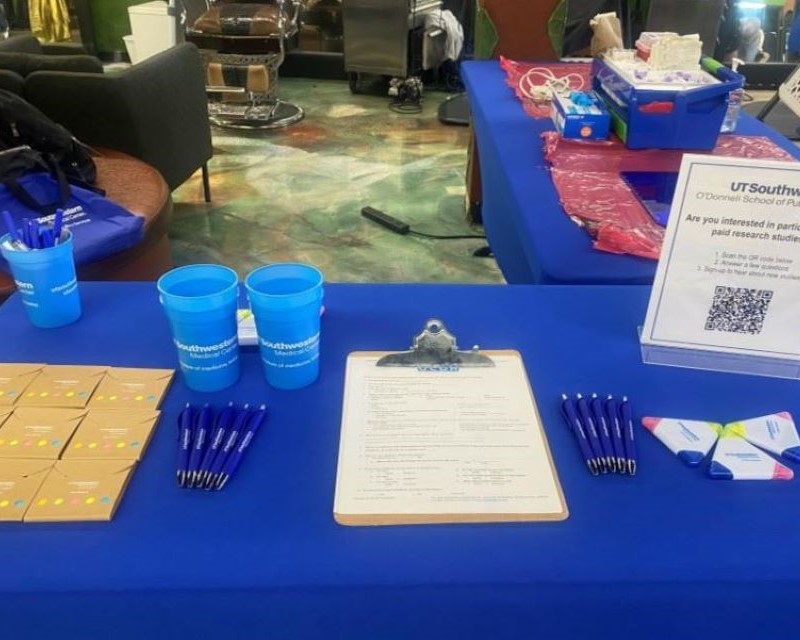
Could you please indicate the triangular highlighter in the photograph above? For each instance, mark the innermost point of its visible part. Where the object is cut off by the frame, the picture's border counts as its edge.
(736, 459)
(690, 440)
(775, 433)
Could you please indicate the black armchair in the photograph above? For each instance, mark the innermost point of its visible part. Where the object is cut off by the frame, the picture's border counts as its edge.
(155, 111)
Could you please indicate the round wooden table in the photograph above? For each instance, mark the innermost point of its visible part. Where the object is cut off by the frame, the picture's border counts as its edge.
(141, 190)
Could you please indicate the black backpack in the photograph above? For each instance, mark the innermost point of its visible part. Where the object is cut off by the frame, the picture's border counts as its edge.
(23, 125)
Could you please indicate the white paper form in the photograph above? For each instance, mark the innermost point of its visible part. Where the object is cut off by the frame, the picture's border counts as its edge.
(729, 276)
(443, 441)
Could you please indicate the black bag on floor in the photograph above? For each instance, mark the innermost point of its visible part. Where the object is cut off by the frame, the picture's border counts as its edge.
(22, 124)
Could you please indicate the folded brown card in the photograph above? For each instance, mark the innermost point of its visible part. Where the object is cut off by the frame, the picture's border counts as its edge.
(19, 481)
(38, 433)
(112, 434)
(132, 388)
(14, 379)
(63, 386)
(78, 490)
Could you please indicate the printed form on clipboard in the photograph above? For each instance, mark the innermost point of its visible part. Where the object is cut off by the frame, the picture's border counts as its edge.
(437, 435)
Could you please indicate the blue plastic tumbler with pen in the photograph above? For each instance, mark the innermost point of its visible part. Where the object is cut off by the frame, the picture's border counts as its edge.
(603, 431)
(211, 446)
(41, 261)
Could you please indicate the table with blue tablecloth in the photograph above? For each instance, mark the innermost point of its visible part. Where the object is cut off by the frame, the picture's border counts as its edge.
(666, 554)
(531, 237)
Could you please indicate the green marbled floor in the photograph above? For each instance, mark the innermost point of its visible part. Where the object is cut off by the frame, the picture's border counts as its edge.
(296, 194)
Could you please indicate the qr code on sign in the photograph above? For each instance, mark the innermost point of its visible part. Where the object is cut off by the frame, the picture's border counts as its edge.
(738, 310)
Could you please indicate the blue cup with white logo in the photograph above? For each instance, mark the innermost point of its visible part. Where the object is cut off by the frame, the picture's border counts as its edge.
(286, 300)
(200, 302)
(46, 282)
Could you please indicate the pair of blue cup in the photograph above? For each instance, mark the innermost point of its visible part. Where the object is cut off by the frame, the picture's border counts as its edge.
(46, 281)
(201, 302)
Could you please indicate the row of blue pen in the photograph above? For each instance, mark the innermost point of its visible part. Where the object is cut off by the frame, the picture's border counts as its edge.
(34, 234)
(211, 445)
(604, 432)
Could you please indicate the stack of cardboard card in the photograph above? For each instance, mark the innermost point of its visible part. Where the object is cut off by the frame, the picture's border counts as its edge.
(71, 436)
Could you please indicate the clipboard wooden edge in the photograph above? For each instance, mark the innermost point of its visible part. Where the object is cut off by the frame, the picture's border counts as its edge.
(384, 519)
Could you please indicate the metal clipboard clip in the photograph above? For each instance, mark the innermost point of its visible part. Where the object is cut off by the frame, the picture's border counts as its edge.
(436, 347)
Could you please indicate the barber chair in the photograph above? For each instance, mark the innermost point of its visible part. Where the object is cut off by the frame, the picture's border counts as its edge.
(244, 44)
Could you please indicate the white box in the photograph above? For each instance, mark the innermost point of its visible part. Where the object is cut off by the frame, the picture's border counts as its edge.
(153, 27)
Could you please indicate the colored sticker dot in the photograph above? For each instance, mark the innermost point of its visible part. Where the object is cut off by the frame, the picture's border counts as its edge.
(100, 397)
(139, 398)
(31, 394)
(77, 445)
(58, 501)
(27, 443)
(56, 394)
(13, 443)
(41, 443)
(56, 443)
(135, 445)
(2, 442)
(93, 445)
(112, 397)
(42, 502)
(4, 504)
(83, 394)
(69, 394)
(90, 500)
(120, 445)
(107, 445)
(11, 394)
(19, 504)
(151, 398)
(105, 500)
(74, 501)
(43, 394)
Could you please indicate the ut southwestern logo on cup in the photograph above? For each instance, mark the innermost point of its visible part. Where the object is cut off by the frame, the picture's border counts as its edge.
(211, 357)
(290, 355)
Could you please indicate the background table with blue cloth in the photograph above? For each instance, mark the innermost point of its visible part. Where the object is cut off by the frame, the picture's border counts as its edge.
(667, 554)
(531, 237)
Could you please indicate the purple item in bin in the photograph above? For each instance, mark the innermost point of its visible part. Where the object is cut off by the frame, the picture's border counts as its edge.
(286, 301)
(200, 303)
(46, 281)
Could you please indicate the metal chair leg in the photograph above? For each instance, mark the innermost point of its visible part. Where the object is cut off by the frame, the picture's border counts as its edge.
(206, 183)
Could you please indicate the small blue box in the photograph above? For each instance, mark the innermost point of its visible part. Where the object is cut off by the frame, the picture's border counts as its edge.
(580, 115)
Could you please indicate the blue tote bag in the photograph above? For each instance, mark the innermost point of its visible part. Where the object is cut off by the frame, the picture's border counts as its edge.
(100, 228)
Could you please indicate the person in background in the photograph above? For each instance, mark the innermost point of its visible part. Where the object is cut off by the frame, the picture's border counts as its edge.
(793, 40)
(50, 20)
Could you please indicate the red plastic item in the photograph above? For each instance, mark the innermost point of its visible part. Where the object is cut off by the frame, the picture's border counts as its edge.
(523, 77)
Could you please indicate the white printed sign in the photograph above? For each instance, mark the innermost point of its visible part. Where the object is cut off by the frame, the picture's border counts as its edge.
(728, 281)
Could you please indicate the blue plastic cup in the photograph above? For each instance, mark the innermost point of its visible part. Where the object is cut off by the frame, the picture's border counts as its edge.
(46, 281)
(286, 300)
(200, 302)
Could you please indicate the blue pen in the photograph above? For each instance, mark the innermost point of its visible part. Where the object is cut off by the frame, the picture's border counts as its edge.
(231, 438)
(591, 431)
(235, 458)
(204, 422)
(33, 231)
(627, 432)
(570, 414)
(11, 227)
(605, 434)
(612, 414)
(224, 422)
(185, 422)
(57, 224)
(26, 234)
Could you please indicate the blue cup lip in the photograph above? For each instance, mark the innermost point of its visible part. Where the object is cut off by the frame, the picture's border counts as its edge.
(280, 296)
(220, 267)
(33, 254)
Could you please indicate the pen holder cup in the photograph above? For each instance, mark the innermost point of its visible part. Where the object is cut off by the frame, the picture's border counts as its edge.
(46, 282)
(200, 302)
(286, 300)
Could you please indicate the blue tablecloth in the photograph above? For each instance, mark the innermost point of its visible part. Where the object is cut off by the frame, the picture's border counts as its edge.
(667, 554)
(532, 239)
